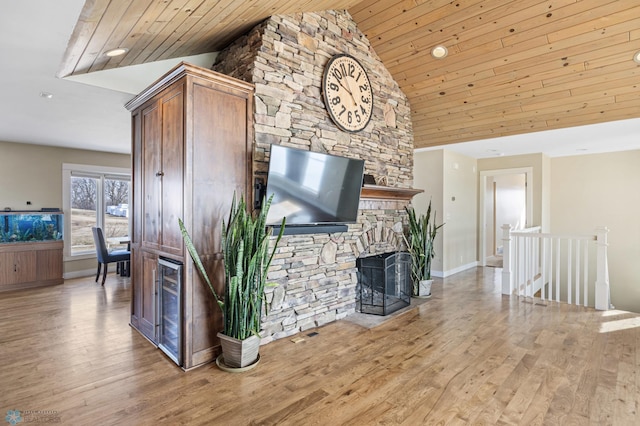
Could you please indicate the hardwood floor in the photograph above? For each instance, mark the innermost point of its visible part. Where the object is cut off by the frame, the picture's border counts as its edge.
(467, 356)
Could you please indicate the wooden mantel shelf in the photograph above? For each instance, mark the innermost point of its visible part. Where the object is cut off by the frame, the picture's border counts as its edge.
(376, 192)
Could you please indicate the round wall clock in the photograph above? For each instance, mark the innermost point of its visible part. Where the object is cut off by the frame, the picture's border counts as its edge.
(347, 93)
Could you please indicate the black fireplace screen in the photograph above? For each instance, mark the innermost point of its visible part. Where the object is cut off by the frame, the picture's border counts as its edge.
(384, 282)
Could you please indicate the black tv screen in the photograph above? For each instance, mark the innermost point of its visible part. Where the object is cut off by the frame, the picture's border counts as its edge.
(310, 188)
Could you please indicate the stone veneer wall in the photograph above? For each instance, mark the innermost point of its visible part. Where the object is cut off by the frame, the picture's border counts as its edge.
(285, 58)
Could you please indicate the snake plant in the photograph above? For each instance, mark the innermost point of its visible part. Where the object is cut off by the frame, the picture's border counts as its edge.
(245, 248)
(419, 241)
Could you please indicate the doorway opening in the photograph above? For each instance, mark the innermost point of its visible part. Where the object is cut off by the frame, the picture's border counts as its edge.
(505, 198)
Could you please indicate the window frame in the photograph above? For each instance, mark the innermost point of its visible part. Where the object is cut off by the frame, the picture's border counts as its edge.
(101, 173)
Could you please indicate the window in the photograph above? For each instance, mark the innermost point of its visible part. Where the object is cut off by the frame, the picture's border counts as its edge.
(95, 196)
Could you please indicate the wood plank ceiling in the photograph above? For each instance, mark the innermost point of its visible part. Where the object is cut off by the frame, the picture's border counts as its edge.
(513, 66)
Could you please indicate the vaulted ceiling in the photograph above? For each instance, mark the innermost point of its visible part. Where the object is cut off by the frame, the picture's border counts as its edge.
(513, 67)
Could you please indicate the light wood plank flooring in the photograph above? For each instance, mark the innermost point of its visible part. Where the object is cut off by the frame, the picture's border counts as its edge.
(467, 356)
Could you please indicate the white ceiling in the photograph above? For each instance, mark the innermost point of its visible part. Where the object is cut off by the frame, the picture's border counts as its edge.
(82, 115)
(34, 38)
(612, 136)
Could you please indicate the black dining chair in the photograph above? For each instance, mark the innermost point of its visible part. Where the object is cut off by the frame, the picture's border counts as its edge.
(122, 257)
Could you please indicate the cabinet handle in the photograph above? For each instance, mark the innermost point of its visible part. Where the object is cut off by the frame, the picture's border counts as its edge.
(159, 173)
(156, 281)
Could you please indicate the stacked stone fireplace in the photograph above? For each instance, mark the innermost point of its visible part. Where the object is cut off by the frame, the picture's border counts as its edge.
(284, 57)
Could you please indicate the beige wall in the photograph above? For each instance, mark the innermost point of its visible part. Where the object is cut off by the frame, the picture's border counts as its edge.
(540, 165)
(491, 240)
(428, 175)
(545, 191)
(34, 173)
(602, 190)
(450, 181)
(571, 195)
(460, 212)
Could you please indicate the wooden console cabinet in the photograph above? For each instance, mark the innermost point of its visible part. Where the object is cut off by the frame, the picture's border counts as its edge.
(192, 134)
(32, 264)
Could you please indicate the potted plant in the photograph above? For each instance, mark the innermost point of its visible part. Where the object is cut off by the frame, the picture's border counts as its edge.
(419, 241)
(245, 248)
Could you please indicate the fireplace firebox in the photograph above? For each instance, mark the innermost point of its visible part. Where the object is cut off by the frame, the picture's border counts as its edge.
(384, 283)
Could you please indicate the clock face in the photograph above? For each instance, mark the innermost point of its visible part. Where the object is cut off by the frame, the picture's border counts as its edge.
(347, 93)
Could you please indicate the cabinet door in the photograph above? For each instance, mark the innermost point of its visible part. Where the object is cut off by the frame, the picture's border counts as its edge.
(151, 140)
(220, 164)
(6, 268)
(148, 295)
(172, 169)
(18, 267)
(49, 265)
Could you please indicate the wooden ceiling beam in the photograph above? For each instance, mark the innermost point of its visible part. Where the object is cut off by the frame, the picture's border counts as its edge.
(90, 18)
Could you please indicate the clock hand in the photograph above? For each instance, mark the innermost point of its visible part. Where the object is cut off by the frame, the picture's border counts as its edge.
(350, 84)
(348, 90)
(345, 88)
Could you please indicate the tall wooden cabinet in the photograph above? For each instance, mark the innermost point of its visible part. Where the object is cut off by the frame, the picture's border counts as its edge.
(192, 136)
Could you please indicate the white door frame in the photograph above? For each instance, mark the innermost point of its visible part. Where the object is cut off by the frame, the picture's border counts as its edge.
(528, 171)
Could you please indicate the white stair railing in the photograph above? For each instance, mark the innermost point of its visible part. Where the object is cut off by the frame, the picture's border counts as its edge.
(556, 267)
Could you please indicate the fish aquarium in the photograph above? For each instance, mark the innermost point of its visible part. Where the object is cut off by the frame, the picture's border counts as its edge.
(30, 226)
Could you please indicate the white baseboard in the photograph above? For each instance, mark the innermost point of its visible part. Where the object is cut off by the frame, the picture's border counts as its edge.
(79, 274)
(450, 272)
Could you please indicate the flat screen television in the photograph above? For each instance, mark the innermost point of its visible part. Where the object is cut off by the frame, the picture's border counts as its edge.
(310, 188)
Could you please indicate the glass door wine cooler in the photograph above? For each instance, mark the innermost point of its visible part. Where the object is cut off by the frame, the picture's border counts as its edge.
(170, 308)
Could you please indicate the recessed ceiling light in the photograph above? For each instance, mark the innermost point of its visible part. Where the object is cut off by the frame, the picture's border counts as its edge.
(46, 95)
(116, 52)
(439, 52)
(636, 57)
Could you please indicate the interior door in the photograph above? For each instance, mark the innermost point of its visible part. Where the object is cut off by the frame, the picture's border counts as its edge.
(510, 201)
